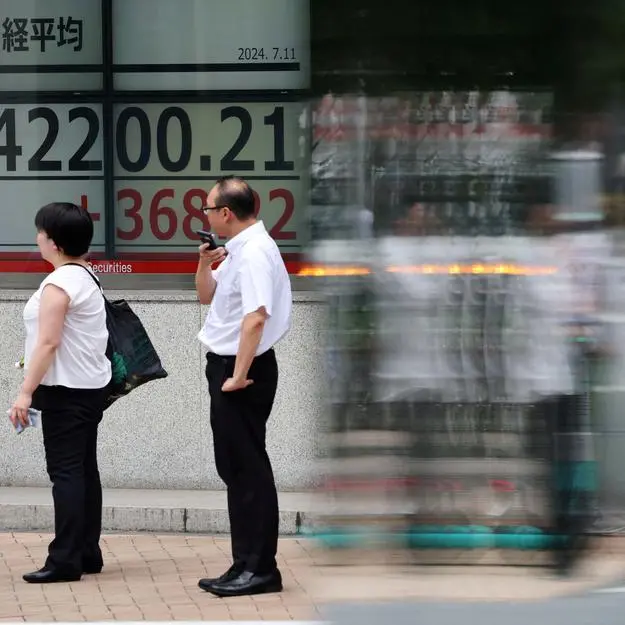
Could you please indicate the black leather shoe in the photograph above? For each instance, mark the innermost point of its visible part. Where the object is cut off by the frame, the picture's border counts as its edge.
(232, 573)
(50, 576)
(248, 583)
(92, 561)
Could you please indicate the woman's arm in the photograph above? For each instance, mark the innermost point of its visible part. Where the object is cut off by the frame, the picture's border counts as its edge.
(52, 310)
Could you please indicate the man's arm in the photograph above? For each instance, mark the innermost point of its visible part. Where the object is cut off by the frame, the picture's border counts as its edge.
(205, 283)
(256, 275)
(251, 333)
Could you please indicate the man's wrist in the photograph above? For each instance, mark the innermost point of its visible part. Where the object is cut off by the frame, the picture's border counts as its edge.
(237, 376)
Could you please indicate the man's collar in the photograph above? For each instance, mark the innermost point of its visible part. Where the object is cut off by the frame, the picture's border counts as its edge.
(239, 240)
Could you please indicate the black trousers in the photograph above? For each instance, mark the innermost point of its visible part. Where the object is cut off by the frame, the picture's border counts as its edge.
(70, 419)
(238, 421)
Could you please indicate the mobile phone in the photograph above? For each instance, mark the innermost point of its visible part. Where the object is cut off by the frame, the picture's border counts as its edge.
(207, 237)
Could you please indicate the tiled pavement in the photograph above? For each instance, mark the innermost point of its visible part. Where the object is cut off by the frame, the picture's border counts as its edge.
(154, 577)
(146, 577)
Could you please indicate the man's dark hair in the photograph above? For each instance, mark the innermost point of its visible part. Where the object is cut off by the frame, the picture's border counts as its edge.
(237, 195)
(68, 225)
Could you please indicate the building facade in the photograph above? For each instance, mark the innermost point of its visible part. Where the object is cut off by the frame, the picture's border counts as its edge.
(349, 119)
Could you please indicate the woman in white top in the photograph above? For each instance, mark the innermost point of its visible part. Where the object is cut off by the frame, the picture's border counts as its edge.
(66, 374)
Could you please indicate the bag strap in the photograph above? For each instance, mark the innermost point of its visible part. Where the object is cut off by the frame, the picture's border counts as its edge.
(89, 272)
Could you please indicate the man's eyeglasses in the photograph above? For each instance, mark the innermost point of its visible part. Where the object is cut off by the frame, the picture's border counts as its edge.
(213, 208)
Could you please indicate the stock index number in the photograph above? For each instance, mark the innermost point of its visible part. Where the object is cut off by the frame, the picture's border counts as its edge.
(236, 119)
(178, 160)
(10, 149)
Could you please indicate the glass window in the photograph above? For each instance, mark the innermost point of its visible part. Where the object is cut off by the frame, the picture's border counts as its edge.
(48, 151)
(166, 97)
(51, 45)
(212, 45)
(343, 116)
(443, 117)
(168, 155)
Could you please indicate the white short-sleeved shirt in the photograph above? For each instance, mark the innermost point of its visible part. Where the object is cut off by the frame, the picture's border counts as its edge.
(80, 360)
(252, 276)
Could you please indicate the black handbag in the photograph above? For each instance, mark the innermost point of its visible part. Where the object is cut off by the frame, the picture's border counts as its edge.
(134, 360)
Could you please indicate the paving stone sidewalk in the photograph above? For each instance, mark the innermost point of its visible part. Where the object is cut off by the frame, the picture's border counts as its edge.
(154, 578)
(146, 577)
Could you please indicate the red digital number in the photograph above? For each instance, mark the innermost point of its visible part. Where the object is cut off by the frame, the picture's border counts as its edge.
(132, 213)
(289, 207)
(194, 213)
(158, 212)
(164, 218)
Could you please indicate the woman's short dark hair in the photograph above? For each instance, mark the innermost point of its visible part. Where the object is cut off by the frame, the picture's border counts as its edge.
(237, 195)
(68, 225)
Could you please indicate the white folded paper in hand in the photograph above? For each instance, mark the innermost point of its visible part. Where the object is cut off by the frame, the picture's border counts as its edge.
(34, 419)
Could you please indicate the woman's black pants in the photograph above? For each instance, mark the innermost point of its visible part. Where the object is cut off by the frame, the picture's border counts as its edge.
(70, 420)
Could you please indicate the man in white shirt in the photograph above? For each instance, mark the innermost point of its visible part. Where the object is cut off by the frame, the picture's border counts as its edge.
(250, 298)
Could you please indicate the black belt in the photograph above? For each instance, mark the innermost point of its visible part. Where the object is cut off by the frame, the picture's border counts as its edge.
(226, 359)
